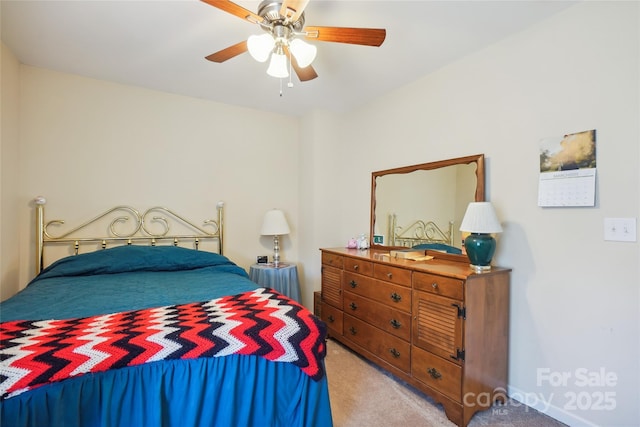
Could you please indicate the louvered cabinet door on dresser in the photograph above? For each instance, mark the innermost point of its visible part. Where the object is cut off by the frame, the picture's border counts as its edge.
(331, 293)
(434, 324)
(438, 353)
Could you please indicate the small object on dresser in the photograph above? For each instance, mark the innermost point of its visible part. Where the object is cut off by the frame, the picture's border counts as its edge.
(363, 243)
(262, 259)
(407, 254)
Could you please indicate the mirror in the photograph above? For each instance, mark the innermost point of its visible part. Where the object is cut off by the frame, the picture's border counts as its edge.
(424, 204)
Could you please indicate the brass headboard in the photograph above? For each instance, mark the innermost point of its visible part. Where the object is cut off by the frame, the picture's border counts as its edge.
(418, 232)
(139, 229)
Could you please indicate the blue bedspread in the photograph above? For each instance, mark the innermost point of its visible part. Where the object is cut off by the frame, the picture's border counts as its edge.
(125, 278)
(225, 391)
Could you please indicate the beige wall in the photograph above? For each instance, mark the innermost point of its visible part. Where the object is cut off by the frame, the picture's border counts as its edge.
(575, 298)
(9, 174)
(89, 145)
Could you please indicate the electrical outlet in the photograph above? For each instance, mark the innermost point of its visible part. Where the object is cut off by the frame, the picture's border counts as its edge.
(620, 229)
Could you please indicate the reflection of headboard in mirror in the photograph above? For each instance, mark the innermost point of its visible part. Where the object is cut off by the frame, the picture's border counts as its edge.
(419, 232)
(433, 195)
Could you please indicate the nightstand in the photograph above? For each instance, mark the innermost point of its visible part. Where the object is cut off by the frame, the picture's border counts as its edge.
(283, 279)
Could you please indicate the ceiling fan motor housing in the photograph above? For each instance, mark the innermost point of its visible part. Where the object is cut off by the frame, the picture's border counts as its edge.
(269, 10)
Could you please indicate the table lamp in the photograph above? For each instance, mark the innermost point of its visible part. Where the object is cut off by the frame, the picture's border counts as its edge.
(275, 224)
(480, 221)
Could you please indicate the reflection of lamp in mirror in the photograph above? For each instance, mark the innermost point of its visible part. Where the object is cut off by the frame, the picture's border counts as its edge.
(275, 224)
(480, 221)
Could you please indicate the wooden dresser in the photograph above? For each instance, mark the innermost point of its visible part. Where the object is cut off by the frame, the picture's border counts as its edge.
(435, 324)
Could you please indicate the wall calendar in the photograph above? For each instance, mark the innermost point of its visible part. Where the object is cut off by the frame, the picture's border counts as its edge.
(568, 170)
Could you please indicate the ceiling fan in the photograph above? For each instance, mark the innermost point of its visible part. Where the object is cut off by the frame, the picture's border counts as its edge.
(283, 21)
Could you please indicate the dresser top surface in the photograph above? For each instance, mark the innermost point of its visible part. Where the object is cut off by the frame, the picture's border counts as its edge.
(437, 265)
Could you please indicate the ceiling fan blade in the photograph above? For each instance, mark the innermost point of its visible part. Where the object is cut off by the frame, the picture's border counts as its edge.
(234, 9)
(228, 53)
(304, 74)
(292, 9)
(361, 36)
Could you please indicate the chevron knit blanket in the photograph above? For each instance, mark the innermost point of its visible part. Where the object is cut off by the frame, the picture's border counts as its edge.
(261, 322)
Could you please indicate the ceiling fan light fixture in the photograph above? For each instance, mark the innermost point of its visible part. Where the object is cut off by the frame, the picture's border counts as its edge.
(278, 65)
(260, 46)
(284, 21)
(304, 52)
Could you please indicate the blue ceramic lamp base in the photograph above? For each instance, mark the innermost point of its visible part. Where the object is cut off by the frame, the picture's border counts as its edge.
(480, 249)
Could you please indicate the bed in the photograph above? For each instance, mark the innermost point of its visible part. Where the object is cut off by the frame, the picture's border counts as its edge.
(422, 234)
(144, 331)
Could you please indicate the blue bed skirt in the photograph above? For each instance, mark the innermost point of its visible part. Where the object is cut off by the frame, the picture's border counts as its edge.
(222, 391)
(226, 391)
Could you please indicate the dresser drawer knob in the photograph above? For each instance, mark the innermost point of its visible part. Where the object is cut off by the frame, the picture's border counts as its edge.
(353, 306)
(395, 353)
(434, 285)
(395, 324)
(395, 297)
(331, 319)
(389, 275)
(353, 330)
(353, 284)
(434, 373)
(355, 267)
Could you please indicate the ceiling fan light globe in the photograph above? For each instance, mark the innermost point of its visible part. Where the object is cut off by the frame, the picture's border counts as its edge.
(260, 46)
(278, 66)
(304, 52)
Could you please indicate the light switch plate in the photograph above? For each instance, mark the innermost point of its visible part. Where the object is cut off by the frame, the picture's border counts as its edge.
(620, 229)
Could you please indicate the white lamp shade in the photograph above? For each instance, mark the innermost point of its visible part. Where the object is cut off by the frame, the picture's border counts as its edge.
(304, 52)
(480, 217)
(260, 47)
(278, 66)
(274, 224)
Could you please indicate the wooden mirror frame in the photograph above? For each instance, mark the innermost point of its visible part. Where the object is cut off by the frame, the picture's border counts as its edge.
(478, 159)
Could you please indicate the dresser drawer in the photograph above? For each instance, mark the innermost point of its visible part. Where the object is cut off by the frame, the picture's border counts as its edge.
(437, 373)
(389, 320)
(396, 275)
(357, 282)
(358, 266)
(332, 259)
(439, 285)
(394, 296)
(390, 348)
(332, 317)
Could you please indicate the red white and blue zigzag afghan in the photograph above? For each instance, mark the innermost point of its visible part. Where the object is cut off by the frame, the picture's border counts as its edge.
(261, 322)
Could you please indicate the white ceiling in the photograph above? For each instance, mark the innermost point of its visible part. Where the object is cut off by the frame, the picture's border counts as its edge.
(161, 45)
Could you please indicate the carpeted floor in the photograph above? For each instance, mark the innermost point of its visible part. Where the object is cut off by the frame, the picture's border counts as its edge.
(364, 395)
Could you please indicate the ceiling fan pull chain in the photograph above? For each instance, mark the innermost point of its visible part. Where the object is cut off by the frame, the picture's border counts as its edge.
(280, 87)
(290, 84)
